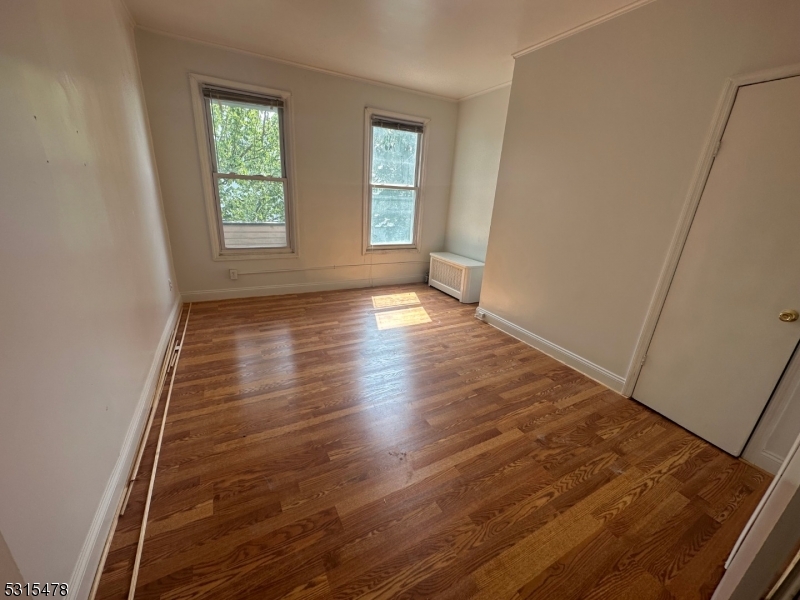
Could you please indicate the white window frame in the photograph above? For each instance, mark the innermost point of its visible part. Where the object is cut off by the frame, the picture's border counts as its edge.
(367, 247)
(205, 142)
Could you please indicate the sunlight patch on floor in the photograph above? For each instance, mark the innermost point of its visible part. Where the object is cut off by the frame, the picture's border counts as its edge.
(395, 300)
(402, 318)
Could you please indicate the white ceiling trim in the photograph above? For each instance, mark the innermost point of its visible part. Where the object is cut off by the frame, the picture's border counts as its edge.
(486, 91)
(581, 27)
(298, 65)
(527, 50)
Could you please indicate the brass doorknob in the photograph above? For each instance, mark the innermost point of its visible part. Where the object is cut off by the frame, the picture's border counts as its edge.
(787, 316)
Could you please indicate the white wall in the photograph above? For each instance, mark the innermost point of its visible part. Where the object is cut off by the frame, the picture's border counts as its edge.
(604, 131)
(479, 140)
(84, 259)
(328, 118)
(9, 572)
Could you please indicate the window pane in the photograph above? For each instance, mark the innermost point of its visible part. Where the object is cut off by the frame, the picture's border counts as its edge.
(394, 156)
(392, 216)
(253, 213)
(247, 138)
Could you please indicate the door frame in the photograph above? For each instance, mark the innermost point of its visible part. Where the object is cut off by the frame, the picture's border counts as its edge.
(692, 201)
(756, 448)
(762, 522)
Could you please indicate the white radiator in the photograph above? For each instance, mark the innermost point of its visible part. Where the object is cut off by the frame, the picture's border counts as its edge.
(456, 275)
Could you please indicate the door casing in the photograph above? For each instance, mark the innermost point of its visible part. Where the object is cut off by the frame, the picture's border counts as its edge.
(699, 179)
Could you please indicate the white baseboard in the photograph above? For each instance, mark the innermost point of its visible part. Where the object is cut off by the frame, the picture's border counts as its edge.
(80, 582)
(588, 368)
(764, 459)
(296, 288)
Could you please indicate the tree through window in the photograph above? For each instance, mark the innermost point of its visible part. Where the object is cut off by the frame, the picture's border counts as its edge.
(248, 168)
(394, 179)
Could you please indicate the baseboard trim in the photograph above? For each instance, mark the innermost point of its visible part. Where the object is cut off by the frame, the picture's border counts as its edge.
(588, 368)
(765, 460)
(80, 582)
(296, 288)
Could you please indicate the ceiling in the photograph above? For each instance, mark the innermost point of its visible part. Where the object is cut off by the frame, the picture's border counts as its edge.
(451, 48)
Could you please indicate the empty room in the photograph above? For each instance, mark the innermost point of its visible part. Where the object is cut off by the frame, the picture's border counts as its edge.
(447, 299)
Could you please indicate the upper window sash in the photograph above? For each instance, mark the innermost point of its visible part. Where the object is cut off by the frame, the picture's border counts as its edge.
(246, 169)
(394, 171)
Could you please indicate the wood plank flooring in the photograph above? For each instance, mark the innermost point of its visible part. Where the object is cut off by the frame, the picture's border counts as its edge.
(310, 455)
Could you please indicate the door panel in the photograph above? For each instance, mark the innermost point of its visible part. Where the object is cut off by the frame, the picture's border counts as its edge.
(719, 347)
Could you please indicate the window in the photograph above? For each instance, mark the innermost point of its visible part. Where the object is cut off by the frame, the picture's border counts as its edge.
(393, 177)
(249, 184)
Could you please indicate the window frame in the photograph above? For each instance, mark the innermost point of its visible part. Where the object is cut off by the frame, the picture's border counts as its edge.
(367, 247)
(207, 154)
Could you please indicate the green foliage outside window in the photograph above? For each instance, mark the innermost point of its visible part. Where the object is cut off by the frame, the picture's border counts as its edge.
(247, 142)
(394, 156)
(394, 162)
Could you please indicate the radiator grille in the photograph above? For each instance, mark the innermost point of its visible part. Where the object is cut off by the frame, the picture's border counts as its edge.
(446, 274)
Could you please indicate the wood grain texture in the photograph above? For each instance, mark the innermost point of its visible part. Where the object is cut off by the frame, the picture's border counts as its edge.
(309, 455)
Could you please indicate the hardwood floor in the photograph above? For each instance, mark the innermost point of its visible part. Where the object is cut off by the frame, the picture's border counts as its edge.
(310, 455)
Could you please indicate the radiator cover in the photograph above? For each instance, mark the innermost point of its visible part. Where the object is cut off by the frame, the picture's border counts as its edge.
(456, 275)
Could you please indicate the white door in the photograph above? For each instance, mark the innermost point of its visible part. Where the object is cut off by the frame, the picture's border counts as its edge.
(720, 347)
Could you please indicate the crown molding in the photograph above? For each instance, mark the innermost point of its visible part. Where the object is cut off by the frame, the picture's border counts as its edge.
(298, 65)
(551, 40)
(582, 27)
(494, 88)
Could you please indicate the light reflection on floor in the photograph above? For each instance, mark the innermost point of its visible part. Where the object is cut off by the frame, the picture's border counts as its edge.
(390, 300)
(391, 415)
(402, 318)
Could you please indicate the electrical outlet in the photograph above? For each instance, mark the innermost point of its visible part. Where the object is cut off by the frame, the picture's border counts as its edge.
(234, 274)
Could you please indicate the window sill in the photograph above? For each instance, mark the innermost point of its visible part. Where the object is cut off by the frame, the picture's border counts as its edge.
(257, 255)
(391, 250)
